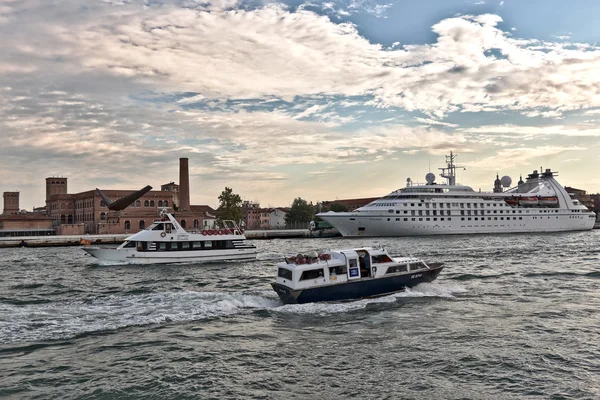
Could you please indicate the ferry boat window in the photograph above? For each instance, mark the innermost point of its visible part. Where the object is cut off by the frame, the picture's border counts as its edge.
(397, 268)
(417, 266)
(312, 274)
(341, 270)
(196, 245)
(168, 228)
(383, 258)
(172, 246)
(130, 244)
(157, 227)
(162, 246)
(284, 273)
(208, 244)
(185, 245)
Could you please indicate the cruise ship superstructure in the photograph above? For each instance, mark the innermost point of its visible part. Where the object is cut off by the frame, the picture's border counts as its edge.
(540, 204)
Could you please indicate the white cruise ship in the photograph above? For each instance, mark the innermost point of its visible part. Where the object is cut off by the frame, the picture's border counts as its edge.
(540, 204)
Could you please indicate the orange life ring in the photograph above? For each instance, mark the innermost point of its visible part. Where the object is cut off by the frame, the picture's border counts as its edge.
(204, 232)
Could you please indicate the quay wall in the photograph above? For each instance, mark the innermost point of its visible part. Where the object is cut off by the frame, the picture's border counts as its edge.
(76, 240)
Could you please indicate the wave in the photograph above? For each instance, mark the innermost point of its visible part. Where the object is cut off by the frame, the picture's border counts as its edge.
(468, 277)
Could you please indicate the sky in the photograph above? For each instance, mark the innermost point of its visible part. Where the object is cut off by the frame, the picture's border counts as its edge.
(321, 100)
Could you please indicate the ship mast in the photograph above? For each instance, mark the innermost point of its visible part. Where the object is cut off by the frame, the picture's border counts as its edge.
(450, 171)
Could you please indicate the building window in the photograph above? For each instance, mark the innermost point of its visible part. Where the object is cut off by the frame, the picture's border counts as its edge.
(182, 223)
(196, 224)
(166, 203)
(146, 203)
(160, 203)
(102, 216)
(138, 203)
(151, 203)
(142, 224)
(127, 225)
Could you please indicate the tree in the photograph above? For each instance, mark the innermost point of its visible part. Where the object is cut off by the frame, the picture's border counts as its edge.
(300, 212)
(230, 206)
(338, 207)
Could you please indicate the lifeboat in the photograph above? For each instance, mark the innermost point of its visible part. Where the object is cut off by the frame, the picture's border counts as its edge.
(551, 201)
(528, 201)
(512, 201)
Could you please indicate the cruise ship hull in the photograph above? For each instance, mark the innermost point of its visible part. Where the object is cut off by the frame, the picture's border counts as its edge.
(357, 225)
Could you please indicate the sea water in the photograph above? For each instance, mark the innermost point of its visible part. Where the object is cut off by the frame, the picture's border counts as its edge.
(510, 316)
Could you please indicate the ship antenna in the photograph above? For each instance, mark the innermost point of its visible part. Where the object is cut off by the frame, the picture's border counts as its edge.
(451, 170)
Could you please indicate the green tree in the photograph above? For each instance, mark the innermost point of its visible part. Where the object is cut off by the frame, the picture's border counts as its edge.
(230, 206)
(338, 207)
(300, 212)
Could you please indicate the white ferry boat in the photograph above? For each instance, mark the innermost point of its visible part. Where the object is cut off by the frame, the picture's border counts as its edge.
(165, 241)
(348, 274)
(540, 204)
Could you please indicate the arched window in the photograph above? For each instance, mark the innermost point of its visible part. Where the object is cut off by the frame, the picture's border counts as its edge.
(182, 223)
(63, 219)
(138, 203)
(142, 224)
(146, 203)
(151, 203)
(70, 219)
(102, 216)
(160, 203)
(166, 203)
(196, 224)
(127, 225)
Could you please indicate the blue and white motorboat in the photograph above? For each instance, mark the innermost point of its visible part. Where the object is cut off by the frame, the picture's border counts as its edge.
(338, 275)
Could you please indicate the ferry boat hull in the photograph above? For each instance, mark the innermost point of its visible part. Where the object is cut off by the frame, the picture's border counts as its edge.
(130, 256)
(363, 288)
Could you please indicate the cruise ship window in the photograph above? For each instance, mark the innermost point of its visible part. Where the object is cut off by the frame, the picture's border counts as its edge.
(427, 212)
(462, 205)
(434, 205)
(412, 212)
(405, 212)
(449, 219)
(495, 211)
(462, 212)
(469, 212)
(406, 219)
(474, 205)
(441, 205)
(435, 212)
(462, 219)
(420, 219)
(520, 217)
(468, 205)
(495, 218)
(427, 205)
(474, 212)
(427, 219)
(441, 219)
(412, 204)
(412, 219)
(420, 212)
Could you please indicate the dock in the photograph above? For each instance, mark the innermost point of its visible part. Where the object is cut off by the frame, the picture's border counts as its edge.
(77, 240)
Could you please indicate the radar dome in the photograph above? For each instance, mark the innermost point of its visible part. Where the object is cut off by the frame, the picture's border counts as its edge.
(506, 181)
(430, 178)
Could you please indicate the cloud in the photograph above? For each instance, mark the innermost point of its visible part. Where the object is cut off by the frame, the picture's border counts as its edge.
(518, 157)
(572, 131)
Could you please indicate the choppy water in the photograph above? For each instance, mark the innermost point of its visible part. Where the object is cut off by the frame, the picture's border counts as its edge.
(511, 316)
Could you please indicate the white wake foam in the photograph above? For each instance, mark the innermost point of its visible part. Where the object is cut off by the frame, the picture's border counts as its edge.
(68, 319)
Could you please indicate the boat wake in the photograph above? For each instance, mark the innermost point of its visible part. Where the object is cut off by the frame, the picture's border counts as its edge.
(68, 319)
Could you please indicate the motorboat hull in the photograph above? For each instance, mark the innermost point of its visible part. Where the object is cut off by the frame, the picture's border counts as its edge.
(131, 256)
(357, 289)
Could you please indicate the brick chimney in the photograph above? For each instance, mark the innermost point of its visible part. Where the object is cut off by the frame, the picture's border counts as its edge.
(184, 185)
(11, 203)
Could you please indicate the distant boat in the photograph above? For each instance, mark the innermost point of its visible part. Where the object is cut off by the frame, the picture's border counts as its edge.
(348, 274)
(165, 241)
(540, 204)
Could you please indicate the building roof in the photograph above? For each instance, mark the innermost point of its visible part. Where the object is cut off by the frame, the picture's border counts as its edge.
(24, 217)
